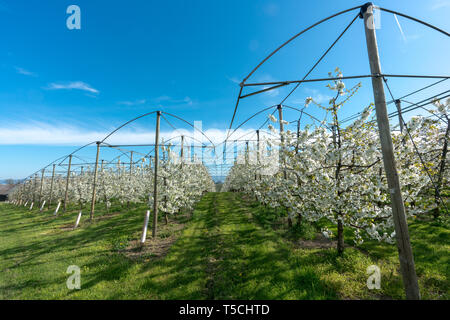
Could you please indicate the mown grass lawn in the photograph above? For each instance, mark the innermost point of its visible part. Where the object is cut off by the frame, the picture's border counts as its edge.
(227, 249)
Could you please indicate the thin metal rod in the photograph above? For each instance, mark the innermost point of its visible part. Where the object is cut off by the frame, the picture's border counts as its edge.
(321, 58)
(286, 82)
(296, 36)
(416, 20)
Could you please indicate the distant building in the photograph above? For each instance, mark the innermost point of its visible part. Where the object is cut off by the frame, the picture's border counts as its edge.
(5, 189)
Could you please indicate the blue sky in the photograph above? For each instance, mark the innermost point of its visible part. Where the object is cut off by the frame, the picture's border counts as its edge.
(62, 88)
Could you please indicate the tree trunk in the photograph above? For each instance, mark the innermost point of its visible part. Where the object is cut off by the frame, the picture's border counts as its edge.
(299, 219)
(437, 191)
(340, 241)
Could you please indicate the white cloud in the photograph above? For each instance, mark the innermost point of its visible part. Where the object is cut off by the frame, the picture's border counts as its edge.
(400, 28)
(38, 133)
(315, 94)
(25, 72)
(165, 100)
(268, 78)
(234, 80)
(440, 4)
(132, 103)
(162, 98)
(78, 85)
(253, 45)
(271, 9)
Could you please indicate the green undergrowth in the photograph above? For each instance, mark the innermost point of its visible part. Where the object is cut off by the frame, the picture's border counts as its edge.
(228, 248)
(430, 240)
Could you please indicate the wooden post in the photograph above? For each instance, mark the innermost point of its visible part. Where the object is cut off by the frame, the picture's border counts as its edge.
(51, 187)
(67, 183)
(298, 135)
(280, 116)
(166, 215)
(131, 172)
(203, 151)
(399, 111)
(281, 150)
(94, 186)
(246, 152)
(101, 168)
(182, 149)
(398, 210)
(258, 159)
(155, 190)
(41, 187)
(131, 161)
(34, 187)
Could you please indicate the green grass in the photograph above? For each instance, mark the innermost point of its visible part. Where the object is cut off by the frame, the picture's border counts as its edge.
(230, 248)
(430, 241)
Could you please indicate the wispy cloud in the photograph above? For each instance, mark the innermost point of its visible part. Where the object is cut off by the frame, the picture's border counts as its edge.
(253, 45)
(20, 70)
(271, 9)
(132, 103)
(268, 78)
(440, 4)
(234, 80)
(38, 133)
(77, 85)
(165, 100)
(400, 27)
(313, 93)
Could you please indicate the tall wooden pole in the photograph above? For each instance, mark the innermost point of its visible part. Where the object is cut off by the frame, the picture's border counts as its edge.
(280, 116)
(258, 159)
(182, 149)
(34, 188)
(246, 152)
(298, 136)
(203, 152)
(94, 185)
(131, 171)
(67, 183)
(155, 190)
(281, 150)
(131, 161)
(42, 186)
(399, 111)
(398, 210)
